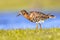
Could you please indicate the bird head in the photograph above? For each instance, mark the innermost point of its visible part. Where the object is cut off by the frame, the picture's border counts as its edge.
(22, 12)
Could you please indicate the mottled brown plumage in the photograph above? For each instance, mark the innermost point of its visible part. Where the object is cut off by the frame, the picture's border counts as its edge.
(35, 16)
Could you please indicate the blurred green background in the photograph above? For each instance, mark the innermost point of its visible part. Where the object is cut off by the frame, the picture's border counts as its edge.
(20, 4)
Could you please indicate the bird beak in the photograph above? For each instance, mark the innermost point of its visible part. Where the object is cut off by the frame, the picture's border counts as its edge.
(18, 14)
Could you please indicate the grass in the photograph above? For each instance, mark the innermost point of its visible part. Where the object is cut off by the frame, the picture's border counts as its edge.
(28, 34)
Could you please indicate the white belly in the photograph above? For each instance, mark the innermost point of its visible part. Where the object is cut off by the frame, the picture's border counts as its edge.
(41, 21)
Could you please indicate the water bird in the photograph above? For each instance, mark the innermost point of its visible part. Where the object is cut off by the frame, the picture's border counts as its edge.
(36, 17)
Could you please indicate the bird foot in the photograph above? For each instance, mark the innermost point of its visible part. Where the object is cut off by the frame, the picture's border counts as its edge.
(36, 27)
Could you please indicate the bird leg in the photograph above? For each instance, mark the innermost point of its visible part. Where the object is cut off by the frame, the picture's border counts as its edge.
(40, 26)
(36, 26)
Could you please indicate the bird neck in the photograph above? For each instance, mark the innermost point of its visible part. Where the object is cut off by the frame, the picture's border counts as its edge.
(26, 16)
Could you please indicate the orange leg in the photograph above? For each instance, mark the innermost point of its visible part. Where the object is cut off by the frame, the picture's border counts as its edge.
(40, 26)
(36, 26)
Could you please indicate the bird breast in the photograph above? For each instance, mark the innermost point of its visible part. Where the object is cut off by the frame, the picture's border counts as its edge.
(34, 17)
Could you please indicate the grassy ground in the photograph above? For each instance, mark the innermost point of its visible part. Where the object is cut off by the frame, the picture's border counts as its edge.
(28, 34)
